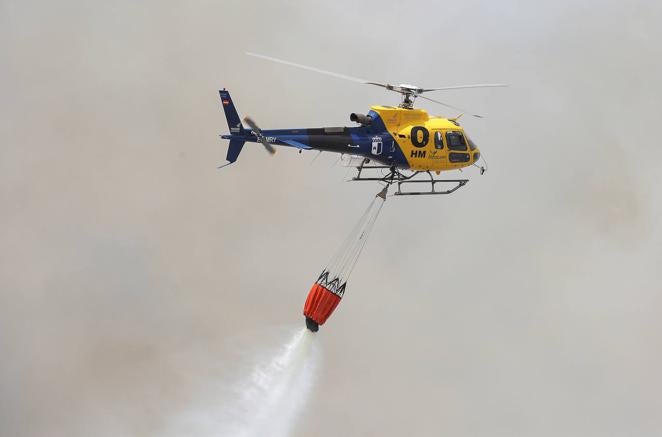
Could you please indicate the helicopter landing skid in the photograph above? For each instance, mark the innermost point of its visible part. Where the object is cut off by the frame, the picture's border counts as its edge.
(391, 175)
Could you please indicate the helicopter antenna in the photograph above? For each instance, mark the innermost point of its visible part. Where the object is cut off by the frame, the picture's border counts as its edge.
(409, 92)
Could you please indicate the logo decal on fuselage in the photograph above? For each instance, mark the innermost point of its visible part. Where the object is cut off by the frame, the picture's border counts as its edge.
(434, 154)
(421, 141)
(377, 145)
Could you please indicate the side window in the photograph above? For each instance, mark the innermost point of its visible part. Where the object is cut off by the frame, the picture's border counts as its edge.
(438, 140)
(458, 157)
(455, 141)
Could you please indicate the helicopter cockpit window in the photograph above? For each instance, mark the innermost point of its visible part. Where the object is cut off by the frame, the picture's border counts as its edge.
(438, 140)
(455, 141)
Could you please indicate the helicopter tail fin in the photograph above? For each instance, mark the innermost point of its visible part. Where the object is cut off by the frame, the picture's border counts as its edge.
(234, 122)
(234, 149)
(236, 128)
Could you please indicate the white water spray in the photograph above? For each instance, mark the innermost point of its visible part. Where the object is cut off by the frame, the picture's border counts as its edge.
(268, 402)
(277, 391)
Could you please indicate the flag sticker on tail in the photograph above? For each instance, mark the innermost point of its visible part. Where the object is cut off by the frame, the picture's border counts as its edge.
(234, 122)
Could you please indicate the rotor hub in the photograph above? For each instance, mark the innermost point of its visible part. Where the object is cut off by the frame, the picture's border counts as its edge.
(408, 92)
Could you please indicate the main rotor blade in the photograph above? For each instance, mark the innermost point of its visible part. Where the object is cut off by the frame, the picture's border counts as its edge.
(459, 87)
(258, 133)
(306, 67)
(450, 106)
(407, 90)
(383, 85)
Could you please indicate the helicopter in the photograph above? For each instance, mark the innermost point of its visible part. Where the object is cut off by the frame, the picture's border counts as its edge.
(400, 145)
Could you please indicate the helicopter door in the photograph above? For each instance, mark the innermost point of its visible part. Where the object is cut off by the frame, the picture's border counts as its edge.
(438, 140)
(377, 145)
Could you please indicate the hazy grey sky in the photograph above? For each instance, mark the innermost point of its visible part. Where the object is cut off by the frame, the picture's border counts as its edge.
(134, 276)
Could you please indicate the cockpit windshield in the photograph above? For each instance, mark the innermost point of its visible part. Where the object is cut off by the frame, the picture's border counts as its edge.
(455, 141)
(472, 145)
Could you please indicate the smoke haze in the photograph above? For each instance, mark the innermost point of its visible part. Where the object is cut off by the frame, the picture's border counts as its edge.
(137, 281)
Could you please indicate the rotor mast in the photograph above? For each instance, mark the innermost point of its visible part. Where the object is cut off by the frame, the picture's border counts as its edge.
(409, 94)
(407, 101)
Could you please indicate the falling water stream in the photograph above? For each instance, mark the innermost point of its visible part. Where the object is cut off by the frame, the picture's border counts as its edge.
(266, 400)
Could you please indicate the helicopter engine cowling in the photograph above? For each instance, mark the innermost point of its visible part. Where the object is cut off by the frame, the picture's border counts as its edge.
(362, 119)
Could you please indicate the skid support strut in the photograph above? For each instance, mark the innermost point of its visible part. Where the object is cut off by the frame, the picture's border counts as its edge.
(403, 179)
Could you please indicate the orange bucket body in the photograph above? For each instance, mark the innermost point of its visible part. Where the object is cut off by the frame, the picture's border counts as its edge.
(319, 305)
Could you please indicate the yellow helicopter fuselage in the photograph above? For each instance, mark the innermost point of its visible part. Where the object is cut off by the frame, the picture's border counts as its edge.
(428, 142)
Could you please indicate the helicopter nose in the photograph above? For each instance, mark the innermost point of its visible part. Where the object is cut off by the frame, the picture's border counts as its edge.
(474, 149)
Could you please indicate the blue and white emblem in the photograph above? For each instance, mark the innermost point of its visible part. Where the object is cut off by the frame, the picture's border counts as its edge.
(377, 145)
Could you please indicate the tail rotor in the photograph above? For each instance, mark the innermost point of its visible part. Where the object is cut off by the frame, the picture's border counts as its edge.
(260, 136)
